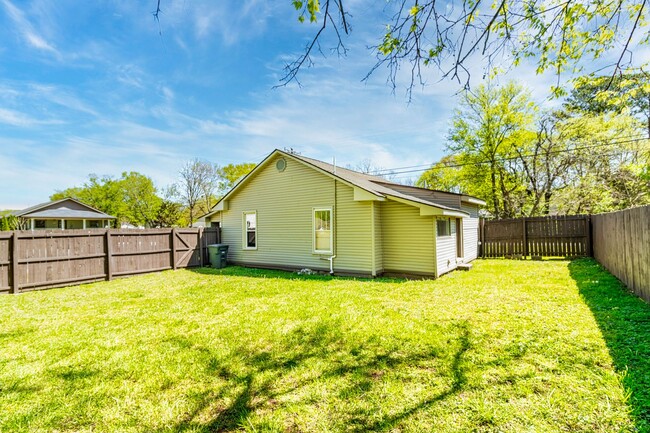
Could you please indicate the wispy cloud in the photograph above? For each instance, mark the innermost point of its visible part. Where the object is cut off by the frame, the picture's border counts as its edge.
(16, 118)
(26, 29)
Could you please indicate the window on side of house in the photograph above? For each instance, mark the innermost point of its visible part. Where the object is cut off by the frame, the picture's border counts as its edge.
(443, 227)
(250, 230)
(323, 230)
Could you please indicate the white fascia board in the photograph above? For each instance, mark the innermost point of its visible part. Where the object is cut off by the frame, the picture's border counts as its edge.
(472, 200)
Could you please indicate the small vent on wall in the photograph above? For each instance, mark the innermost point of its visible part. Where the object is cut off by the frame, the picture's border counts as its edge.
(281, 164)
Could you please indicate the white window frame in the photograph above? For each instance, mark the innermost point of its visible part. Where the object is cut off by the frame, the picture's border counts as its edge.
(313, 229)
(245, 230)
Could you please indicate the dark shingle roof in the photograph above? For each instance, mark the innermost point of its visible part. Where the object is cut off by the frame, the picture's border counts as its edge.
(380, 186)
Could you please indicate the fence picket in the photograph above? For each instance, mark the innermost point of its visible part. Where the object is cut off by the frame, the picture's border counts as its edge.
(31, 260)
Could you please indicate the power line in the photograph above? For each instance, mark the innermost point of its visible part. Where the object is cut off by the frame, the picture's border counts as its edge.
(431, 166)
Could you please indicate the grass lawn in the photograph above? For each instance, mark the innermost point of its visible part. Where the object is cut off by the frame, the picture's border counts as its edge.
(509, 346)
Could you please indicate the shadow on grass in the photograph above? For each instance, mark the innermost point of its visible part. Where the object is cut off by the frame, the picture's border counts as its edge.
(295, 369)
(240, 271)
(624, 320)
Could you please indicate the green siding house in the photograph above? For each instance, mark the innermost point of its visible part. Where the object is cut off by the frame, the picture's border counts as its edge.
(293, 212)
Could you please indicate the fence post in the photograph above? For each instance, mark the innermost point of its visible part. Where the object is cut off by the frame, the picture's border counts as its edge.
(589, 230)
(525, 234)
(481, 237)
(109, 255)
(173, 246)
(15, 287)
(199, 243)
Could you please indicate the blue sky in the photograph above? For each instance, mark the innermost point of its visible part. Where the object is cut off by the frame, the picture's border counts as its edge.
(100, 87)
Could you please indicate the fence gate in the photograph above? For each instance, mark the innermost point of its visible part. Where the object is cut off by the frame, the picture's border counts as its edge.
(553, 236)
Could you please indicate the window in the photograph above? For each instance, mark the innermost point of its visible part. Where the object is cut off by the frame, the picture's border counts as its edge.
(39, 224)
(93, 224)
(250, 230)
(323, 230)
(444, 227)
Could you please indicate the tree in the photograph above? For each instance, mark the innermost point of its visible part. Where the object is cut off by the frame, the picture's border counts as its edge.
(606, 94)
(487, 129)
(140, 198)
(132, 198)
(230, 174)
(102, 193)
(449, 36)
(198, 179)
(558, 34)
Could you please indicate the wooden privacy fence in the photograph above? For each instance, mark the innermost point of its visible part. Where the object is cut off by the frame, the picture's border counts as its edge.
(42, 259)
(622, 245)
(554, 236)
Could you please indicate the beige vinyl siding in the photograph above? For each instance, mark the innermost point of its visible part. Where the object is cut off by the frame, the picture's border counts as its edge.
(353, 232)
(379, 254)
(284, 202)
(408, 239)
(446, 250)
(470, 232)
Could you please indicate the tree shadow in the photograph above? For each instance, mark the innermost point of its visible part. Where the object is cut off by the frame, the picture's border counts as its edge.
(261, 379)
(624, 321)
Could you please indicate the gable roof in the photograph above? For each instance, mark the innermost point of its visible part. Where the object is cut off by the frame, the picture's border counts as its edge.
(375, 185)
(51, 210)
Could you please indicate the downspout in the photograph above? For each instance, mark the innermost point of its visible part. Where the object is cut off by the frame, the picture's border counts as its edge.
(334, 227)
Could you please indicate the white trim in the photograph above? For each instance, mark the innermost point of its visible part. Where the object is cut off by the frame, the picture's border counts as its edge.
(313, 230)
(244, 244)
(472, 200)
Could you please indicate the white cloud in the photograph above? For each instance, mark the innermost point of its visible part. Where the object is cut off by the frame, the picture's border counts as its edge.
(26, 29)
(15, 118)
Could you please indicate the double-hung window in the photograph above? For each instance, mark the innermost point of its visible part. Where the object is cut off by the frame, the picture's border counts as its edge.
(323, 230)
(250, 230)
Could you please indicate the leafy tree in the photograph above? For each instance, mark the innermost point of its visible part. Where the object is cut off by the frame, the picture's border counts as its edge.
(487, 129)
(132, 198)
(606, 94)
(450, 36)
(140, 198)
(606, 170)
(558, 34)
(230, 174)
(102, 193)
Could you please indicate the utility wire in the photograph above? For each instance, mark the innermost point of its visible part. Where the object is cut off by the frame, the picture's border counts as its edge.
(399, 170)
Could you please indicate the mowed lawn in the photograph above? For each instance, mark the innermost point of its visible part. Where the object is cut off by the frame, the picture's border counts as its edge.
(510, 346)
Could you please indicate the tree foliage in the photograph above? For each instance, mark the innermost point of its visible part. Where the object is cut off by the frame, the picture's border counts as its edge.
(488, 129)
(557, 34)
(606, 94)
(132, 198)
(230, 174)
(525, 162)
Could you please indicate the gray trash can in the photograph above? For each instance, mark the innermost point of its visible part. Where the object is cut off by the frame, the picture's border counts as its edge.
(218, 255)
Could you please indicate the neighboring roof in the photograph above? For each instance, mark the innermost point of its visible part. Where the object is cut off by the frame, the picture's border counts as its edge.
(61, 210)
(375, 185)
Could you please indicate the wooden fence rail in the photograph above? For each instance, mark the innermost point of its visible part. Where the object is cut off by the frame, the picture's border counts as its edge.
(49, 258)
(622, 245)
(554, 236)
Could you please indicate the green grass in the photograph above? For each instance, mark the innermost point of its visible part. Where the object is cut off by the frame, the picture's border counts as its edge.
(509, 346)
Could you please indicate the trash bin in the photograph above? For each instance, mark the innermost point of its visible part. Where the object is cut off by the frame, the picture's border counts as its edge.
(218, 255)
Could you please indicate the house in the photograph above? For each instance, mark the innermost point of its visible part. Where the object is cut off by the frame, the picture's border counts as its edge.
(293, 212)
(65, 214)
